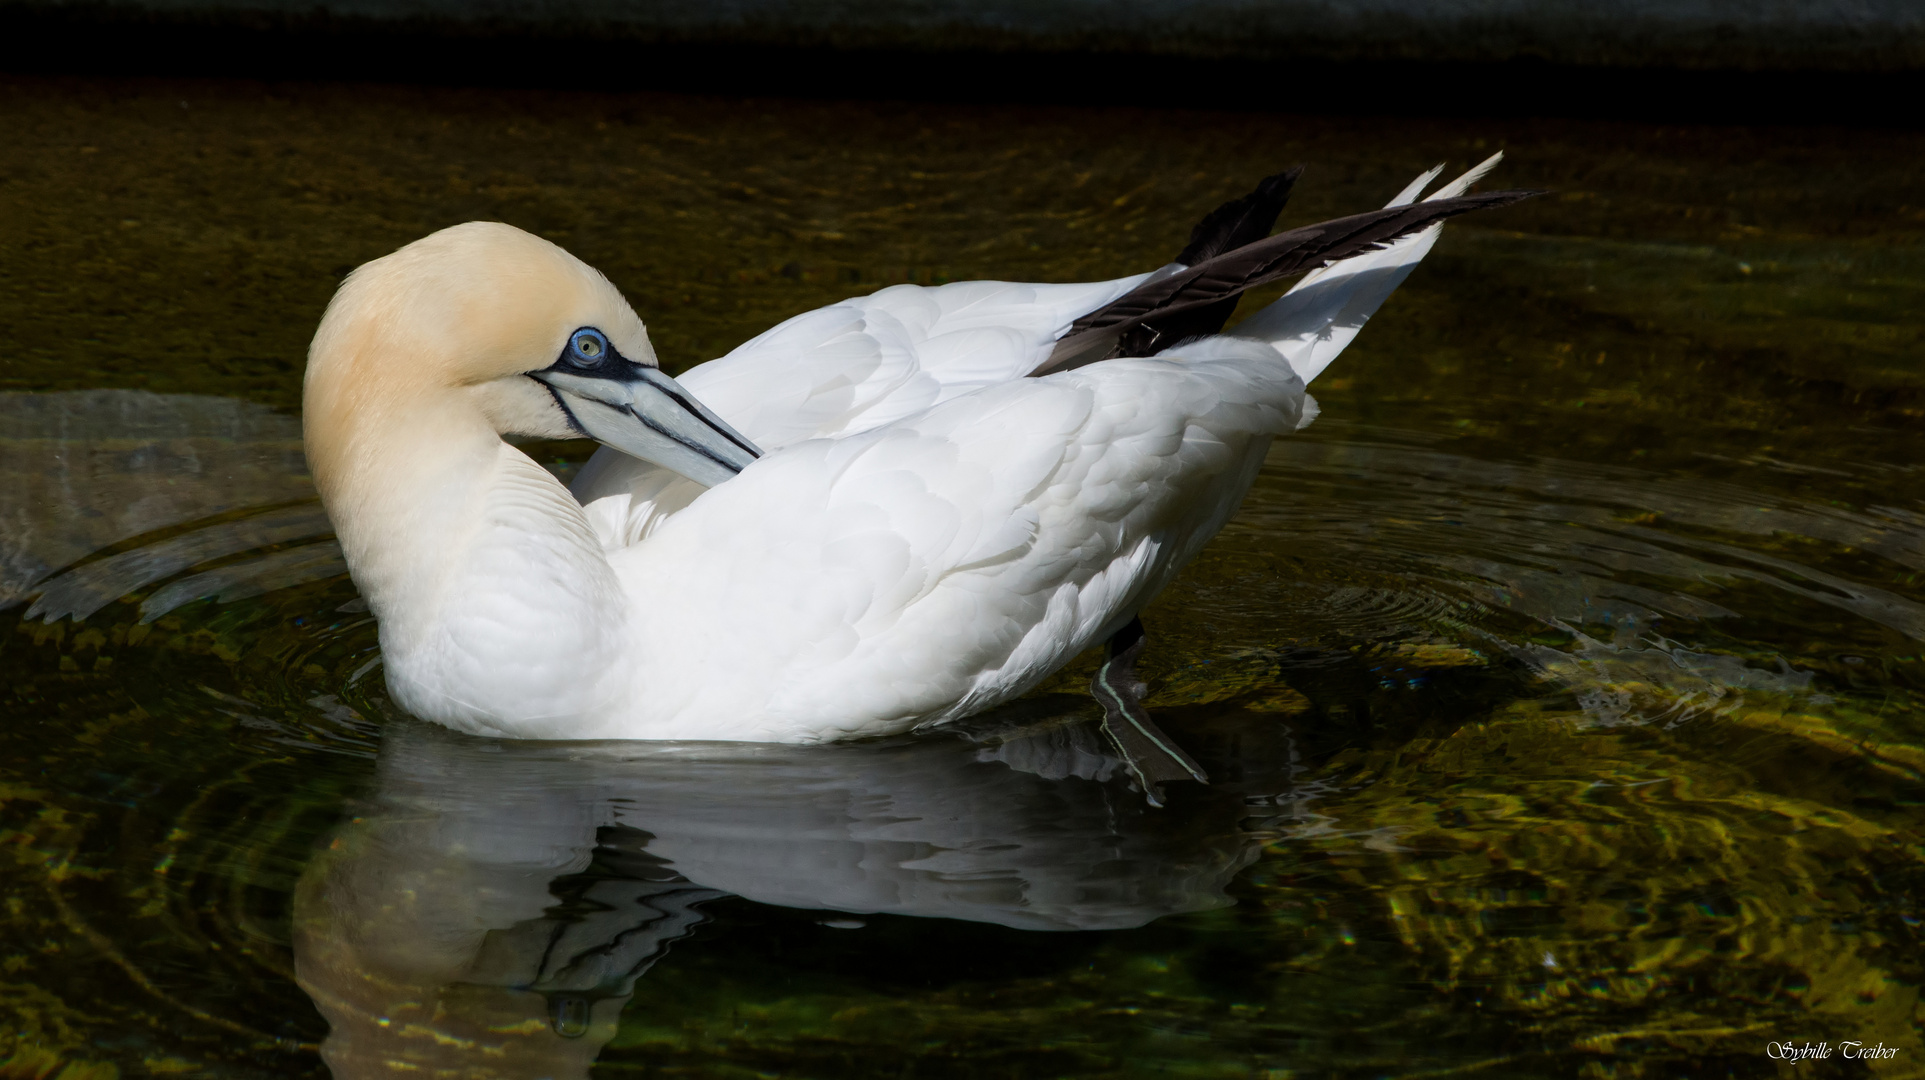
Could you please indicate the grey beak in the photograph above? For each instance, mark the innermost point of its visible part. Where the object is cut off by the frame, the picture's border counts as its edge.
(646, 414)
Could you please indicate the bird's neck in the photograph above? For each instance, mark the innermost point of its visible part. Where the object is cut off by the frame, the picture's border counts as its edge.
(499, 613)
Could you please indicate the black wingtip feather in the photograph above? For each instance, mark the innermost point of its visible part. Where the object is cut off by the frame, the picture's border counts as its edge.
(1142, 314)
(1241, 221)
(1236, 224)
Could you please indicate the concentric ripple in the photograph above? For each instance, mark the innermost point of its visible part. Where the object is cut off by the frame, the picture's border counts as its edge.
(1450, 706)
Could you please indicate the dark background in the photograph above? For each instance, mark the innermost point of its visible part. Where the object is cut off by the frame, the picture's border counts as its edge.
(1796, 61)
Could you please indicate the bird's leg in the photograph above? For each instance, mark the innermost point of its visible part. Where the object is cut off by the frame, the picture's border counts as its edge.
(1153, 757)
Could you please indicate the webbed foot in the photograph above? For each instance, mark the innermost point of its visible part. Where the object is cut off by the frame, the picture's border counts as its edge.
(1153, 757)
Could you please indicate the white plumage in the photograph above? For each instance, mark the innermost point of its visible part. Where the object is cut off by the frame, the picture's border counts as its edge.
(927, 533)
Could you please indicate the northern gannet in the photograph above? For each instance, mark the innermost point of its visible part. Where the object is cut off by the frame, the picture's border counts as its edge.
(868, 519)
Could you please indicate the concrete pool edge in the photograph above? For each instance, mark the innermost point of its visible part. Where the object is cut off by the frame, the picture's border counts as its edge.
(510, 51)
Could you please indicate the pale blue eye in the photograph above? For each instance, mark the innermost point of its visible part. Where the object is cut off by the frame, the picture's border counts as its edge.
(588, 347)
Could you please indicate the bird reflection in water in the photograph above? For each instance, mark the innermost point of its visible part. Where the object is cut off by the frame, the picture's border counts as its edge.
(494, 904)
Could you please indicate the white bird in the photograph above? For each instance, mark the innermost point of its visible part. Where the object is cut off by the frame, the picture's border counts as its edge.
(911, 530)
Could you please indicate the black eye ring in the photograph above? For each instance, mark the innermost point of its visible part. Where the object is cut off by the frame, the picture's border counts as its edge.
(588, 347)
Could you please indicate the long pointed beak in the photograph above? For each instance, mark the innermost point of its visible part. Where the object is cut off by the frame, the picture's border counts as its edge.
(646, 414)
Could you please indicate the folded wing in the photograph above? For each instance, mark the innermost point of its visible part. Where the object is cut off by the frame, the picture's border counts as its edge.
(847, 368)
(871, 361)
(1007, 529)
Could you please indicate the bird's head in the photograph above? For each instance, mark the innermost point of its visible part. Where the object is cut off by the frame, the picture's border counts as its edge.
(530, 336)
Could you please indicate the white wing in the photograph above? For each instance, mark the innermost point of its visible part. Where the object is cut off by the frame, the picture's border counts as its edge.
(937, 565)
(868, 362)
(875, 359)
(847, 368)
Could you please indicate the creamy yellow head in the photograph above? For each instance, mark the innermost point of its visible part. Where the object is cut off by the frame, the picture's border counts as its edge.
(460, 315)
(425, 358)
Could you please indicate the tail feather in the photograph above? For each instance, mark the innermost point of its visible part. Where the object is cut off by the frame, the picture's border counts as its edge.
(1095, 336)
(1415, 187)
(1463, 183)
(1318, 319)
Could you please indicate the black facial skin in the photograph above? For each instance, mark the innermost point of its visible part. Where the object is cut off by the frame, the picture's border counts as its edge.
(601, 360)
(590, 354)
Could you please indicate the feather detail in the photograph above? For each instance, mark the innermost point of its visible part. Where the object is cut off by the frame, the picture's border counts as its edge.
(1094, 336)
(1314, 322)
(1240, 222)
(1415, 187)
(1231, 227)
(1463, 183)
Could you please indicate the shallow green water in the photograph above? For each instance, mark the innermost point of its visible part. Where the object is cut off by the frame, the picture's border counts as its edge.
(1561, 684)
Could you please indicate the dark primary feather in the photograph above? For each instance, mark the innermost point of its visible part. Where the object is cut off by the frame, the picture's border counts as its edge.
(1236, 224)
(1096, 336)
(1240, 221)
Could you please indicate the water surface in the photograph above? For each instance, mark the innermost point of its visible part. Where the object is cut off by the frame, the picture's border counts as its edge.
(1560, 685)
